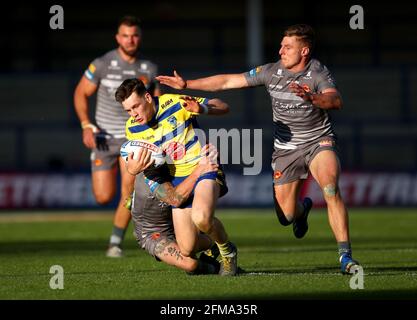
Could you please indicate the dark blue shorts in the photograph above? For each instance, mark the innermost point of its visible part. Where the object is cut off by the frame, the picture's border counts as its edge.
(218, 176)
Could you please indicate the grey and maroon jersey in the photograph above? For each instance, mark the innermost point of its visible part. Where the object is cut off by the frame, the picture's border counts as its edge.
(150, 215)
(295, 121)
(108, 72)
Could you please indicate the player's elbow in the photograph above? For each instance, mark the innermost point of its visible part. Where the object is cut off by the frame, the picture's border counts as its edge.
(176, 200)
(338, 103)
(79, 94)
(219, 107)
(224, 108)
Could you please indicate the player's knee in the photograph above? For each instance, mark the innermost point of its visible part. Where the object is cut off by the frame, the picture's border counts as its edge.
(186, 252)
(186, 248)
(203, 221)
(330, 190)
(103, 198)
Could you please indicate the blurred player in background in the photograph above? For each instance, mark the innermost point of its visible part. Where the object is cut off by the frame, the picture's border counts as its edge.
(106, 136)
(169, 122)
(302, 90)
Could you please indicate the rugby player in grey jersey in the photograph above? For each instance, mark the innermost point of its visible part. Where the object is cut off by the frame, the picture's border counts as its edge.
(105, 138)
(152, 214)
(301, 90)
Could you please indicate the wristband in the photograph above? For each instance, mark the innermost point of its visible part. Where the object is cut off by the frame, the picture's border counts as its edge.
(89, 125)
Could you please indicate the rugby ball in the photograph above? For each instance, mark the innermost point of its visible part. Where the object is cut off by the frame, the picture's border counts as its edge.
(133, 146)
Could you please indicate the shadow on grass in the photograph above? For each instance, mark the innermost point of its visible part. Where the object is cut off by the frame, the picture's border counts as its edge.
(402, 294)
(61, 246)
(384, 270)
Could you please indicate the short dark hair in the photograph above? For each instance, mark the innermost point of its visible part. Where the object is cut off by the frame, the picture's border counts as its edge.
(128, 87)
(304, 33)
(130, 21)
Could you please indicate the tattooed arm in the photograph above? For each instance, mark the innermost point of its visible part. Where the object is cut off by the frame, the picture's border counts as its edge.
(176, 196)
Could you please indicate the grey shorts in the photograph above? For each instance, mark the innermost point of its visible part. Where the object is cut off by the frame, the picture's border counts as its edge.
(106, 154)
(151, 217)
(150, 242)
(292, 165)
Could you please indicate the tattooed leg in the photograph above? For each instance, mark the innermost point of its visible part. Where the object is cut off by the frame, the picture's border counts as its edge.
(168, 251)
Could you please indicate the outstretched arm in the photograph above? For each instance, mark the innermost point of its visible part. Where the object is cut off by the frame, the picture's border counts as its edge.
(176, 196)
(213, 83)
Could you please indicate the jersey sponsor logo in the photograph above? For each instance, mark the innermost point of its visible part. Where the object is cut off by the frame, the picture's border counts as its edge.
(166, 103)
(307, 76)
(143, 66)
(293, 80)
(155, 235)
(255, 71)
(114, 76)
(172, 121)
(113, 65)
(175, 150)
(89, 73)
(114, 84)
(129, 72)
(92, 68)
(144, 144)
(98, 162)
(278, 74)
(275, 86)
(277, 174)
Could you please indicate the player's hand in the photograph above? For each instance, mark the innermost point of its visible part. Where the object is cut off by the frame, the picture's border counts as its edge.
(176, 82)
(101, 142)
(208, 162)
(89, 138)
(190, 104)
(302, 92)
(142, 161)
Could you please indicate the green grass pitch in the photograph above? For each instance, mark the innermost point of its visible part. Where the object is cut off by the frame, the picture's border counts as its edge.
(277, 265)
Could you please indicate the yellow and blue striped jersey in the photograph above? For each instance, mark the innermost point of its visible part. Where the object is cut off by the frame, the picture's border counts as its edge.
(172, 129)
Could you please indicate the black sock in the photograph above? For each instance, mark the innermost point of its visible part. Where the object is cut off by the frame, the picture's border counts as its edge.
(211, 266)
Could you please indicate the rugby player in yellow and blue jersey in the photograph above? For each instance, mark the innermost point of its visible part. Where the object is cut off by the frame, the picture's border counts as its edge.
(169, 121)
